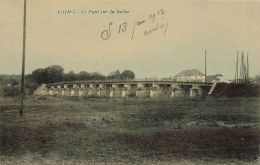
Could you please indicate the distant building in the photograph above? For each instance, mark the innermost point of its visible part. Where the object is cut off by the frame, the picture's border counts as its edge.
(190, 75)
(216, 78)
(167, 79)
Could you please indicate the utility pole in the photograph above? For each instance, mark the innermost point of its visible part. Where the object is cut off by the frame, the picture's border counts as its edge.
(205, 65)
(23, 60)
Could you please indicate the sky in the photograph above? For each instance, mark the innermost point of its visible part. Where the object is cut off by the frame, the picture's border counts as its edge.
(155, 38)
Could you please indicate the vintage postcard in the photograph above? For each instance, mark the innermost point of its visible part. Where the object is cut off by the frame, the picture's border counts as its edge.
(129, 82)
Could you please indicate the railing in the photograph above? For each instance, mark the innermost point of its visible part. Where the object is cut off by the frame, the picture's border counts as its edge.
(129, 82)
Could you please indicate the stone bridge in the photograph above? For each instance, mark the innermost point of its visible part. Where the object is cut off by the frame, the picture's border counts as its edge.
(124, 89)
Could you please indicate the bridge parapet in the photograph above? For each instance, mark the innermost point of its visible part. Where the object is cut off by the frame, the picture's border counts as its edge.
(114, 85)
(127, 86)
(91, 85)
(155, 85)
(75, 86)
(140, 85)
(101, 85)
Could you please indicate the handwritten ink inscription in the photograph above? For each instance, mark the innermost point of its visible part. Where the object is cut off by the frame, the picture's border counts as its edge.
(106, 33)
(157, 27)
(153, 23)
(153, 16)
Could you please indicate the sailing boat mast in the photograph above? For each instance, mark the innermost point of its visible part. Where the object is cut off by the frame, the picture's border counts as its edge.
(241, 69)
(23, 60)
(242, 72)
(236, 74)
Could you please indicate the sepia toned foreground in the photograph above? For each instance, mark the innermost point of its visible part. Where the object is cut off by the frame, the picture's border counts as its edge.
(130, 131)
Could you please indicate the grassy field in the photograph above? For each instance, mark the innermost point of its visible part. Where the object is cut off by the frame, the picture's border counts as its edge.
(130, 131)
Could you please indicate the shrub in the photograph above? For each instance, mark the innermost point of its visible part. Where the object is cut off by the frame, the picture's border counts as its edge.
(41, 98)
(11, 91)
(30, 87)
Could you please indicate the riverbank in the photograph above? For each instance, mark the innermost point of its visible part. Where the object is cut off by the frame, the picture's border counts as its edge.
(130, 131)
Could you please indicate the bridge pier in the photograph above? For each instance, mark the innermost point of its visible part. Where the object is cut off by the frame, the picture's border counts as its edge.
(99, 89)
(51, 91)
(126, 90)
(132, 90)
(151, 93)
(196, 91)
(66, 90)
(75, 90)
(164, 90)
(143, 93)
(58, 90)
(154, 90)
(143, 90)
(160, 90)
(99, 92)
(111, 93)
(103, 90)
(118, 90)
(92, 91)
(176, 90)
(82, 90)
(112, 90)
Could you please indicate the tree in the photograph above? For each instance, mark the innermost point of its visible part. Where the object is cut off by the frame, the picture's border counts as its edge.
(11, 91)
(30, 84)
(39, 76)
(97, 76)
(83, 75)
(114, 75)
(54, 73)
(71, 76)
(127, 74)
(257, 78)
